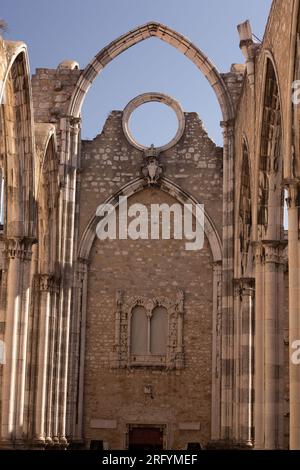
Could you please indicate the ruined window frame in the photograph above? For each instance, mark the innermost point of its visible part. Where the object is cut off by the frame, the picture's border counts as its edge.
(122, 355)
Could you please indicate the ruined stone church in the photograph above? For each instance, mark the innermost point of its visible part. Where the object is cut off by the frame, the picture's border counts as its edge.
(129, 344)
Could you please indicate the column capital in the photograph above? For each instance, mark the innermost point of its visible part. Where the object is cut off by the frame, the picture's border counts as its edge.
(19, 248)
(216, 265)
(258, 252)
(274, 251)
(228, 129)
(48, 283)
(293, 188)
(244, 286)
(227, 125)
(73, 124)
(269, 251)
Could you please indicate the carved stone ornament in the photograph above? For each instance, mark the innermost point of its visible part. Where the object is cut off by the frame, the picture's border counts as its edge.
(19, 248)
(174, 357)
(152, 169)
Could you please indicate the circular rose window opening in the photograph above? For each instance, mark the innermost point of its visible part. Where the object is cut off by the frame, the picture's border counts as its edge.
(153, 119)
(153, 123)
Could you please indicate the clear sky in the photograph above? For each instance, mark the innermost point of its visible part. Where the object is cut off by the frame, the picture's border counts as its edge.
(55, 30)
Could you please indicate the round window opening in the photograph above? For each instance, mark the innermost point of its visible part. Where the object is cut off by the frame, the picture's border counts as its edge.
(153, 124)
(153, 119)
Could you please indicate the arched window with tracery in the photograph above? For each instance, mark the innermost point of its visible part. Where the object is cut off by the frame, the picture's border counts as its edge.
(270, 194)
(245, 216)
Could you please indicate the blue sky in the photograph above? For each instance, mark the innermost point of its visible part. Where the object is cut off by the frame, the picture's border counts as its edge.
(75, 29)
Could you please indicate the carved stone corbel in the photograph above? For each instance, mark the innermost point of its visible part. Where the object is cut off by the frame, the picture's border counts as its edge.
(152, 168)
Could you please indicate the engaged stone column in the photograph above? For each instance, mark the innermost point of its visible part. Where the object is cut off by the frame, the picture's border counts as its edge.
(294, 311)
(216, 356)
(70, 130)
(45, 288)
(259, 346)
(272, 360)
(269, 339)
(246, 359)
(18, 253)
(54, 291)
(227, 375)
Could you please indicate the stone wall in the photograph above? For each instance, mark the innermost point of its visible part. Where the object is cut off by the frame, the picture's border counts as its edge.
(181, 398)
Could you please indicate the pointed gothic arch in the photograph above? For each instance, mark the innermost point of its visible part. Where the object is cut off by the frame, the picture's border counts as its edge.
(167, 186)
(245, 211)
(17, 142)
(80, 306)
(47, 191)
(270, 159)
(166, 34)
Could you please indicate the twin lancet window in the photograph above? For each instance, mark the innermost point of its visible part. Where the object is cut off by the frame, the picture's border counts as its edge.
(149, 331)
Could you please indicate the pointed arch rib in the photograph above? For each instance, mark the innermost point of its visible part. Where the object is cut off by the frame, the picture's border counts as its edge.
(166, 34)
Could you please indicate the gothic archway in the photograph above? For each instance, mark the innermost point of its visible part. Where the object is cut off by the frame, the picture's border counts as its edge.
(269, 267)
(245, 213)
(17, 153)
(80, 307)
(160, 31)
(17, 143)
(166, 186)
(47, 347)
(270, 165)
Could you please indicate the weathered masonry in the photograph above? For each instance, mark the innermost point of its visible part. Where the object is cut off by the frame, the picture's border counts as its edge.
(142, 343)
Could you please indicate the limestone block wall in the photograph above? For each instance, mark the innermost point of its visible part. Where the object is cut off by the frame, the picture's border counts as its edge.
(149, 268)
(278, 47)
(109, 162)
(52, 89)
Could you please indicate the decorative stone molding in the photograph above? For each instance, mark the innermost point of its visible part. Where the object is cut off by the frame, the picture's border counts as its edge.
(258, 253)
(48, 283)
(152, 168)
(166, 34)
(244, 286)
(174, 358)
(274, 251)
(293, 198)
(19, 248)
(248, 286)
(270, 251)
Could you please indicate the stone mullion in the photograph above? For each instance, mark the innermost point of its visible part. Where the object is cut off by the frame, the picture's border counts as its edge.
(294, 312)
(179, 347)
